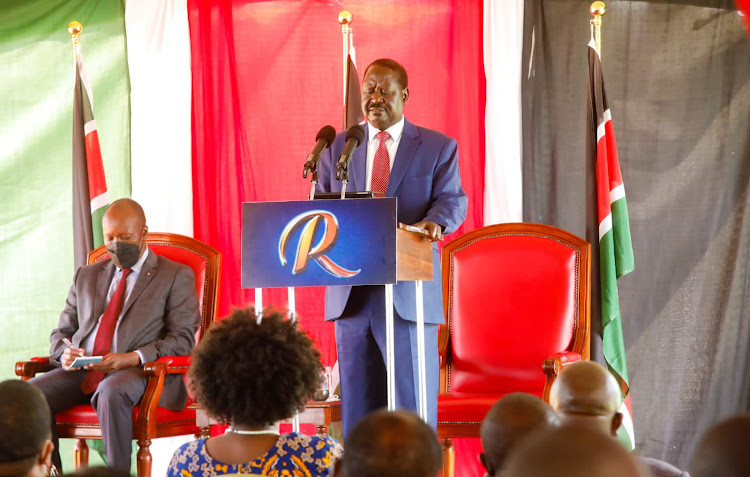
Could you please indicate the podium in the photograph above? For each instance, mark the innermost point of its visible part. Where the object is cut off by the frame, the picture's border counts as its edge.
(339, 243)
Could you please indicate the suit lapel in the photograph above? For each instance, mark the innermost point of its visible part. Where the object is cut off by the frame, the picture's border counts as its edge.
(358, 174)
(406, 148)
(147, 273)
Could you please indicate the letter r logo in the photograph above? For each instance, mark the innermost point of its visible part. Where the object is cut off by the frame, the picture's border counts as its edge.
(309, 222)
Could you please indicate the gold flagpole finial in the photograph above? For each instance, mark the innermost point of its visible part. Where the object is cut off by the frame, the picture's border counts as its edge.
(74, 28)
(597, 9)
(345, 17)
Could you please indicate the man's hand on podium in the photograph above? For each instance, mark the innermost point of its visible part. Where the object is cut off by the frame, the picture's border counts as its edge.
(434, 230)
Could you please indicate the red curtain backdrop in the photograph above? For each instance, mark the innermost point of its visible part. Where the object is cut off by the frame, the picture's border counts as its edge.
(267, 75)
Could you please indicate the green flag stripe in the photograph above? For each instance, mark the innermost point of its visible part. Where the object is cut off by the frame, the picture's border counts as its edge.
(624, 261)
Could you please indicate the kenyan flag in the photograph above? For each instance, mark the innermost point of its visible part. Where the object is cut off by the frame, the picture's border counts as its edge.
(615, 247)
(90, 198)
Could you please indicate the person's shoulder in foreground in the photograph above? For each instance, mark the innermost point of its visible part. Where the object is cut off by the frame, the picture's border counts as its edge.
(723, 450)
(659, 468)
(294, 454)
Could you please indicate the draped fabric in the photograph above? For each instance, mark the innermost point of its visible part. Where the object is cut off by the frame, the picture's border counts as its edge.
(36, 113)
(503, 38)
(159, 59)
(678, 84)
(268, 75)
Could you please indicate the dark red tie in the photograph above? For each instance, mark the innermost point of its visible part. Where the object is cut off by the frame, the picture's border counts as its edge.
(381, 166)
(107, 325)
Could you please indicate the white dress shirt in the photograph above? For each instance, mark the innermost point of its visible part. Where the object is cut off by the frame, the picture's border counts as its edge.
(87, 343)
(373, 142)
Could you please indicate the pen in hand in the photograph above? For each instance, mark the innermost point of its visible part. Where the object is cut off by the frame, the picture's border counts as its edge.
(67, 342)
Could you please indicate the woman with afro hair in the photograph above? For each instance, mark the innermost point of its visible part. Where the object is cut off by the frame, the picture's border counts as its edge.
(250, 376)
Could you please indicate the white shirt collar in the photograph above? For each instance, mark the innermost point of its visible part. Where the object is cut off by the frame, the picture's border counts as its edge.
(139, 264)
(395, 131)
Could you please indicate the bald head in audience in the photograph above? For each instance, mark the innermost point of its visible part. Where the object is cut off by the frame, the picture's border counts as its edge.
(587, 394)
(571, 451)
(724, 450)
(511, 420)
(390, 444)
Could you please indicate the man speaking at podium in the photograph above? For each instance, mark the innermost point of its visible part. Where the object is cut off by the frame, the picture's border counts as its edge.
(419, 167)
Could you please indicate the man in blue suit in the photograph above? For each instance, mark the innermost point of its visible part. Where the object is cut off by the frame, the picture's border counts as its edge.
(420, 168)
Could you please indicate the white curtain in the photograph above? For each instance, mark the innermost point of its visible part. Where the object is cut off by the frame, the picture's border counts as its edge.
(503, 42)
(158, 40)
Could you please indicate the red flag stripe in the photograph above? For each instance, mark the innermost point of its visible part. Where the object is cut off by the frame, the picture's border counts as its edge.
(97, 181)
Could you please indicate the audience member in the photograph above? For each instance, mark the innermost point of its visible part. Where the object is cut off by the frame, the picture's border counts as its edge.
(390, 444)
(571, 451)
(251, 375)
(511, 420)
(587, 394)
(724, 450)
(25, 440)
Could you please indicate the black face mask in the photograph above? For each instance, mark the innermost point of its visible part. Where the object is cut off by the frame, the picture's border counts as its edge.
(127, 253)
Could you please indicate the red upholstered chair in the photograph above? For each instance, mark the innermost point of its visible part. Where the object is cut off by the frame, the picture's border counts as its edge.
(517, 306)
(149, 420)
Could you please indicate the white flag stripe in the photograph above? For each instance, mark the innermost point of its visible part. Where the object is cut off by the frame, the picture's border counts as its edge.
(352, 53)
(89, 126)
(627, 423)
(605, 226)
(99, 201)
(600, 130)
(85, 78)
(617, 193)
(592, 43)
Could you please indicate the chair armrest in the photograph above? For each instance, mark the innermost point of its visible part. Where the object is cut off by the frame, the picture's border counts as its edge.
(169, 364)
(555, 363)
(552, 367)
(28, 369)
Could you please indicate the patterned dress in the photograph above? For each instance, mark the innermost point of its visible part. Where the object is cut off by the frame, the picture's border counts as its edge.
(293, 455)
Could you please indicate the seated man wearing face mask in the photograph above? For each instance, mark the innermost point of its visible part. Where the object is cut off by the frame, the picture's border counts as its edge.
(131, 309)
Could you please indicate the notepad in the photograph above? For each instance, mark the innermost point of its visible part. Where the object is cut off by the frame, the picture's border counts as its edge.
(82, 361)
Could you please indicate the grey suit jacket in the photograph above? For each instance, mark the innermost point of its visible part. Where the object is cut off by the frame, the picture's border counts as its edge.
(160, 317)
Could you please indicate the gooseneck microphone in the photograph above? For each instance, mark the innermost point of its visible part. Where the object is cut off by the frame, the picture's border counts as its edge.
(354, 137)
(325, 137)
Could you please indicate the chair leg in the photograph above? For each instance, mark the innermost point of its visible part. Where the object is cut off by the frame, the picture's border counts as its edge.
(449, 457)
(80, 454)
(144, 460)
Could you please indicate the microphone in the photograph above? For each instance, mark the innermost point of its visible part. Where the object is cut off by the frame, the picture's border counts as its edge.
(354, 137)
(325, 137)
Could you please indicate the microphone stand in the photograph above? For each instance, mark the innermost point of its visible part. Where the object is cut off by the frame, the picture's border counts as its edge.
(314, 180)
(344, 175)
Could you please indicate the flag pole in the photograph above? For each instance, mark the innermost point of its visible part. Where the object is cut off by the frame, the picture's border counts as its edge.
(345, 18)
(597, 9)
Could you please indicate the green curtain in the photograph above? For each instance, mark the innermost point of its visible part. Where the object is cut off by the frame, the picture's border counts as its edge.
(36, 231)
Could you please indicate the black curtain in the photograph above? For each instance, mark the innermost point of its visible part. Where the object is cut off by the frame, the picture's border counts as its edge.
(678, 83)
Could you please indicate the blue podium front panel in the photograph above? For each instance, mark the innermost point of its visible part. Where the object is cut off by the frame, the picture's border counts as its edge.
(323, 242)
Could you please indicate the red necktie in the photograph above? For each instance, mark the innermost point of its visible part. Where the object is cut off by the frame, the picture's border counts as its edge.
(381, 166)
(107, 325)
